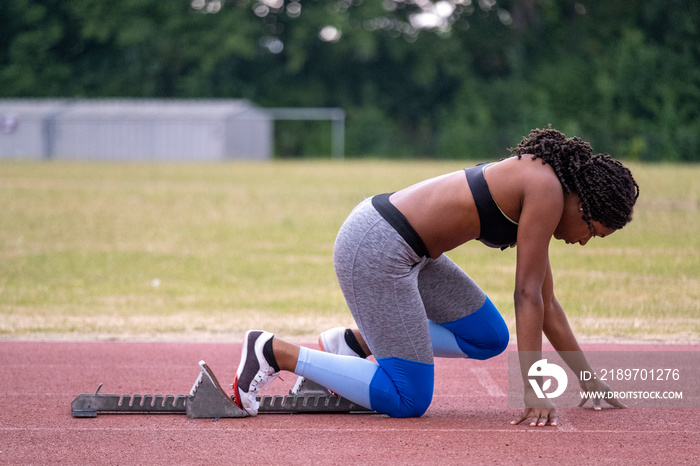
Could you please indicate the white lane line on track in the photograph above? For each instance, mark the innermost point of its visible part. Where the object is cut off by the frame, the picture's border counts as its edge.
(565, 425)
(326, 430)
(481, 374)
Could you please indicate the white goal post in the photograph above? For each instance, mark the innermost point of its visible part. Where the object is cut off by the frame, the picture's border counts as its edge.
(335, 115)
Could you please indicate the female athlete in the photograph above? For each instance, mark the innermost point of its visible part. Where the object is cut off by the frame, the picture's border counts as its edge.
(411, 303)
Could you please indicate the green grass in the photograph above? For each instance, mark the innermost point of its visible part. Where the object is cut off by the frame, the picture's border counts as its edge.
(206, 251)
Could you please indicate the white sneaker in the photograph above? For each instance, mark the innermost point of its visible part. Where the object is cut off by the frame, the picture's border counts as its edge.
(333, 341)
(254, 372)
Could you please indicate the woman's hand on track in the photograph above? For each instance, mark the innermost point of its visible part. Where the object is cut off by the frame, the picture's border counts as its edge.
(541, 412)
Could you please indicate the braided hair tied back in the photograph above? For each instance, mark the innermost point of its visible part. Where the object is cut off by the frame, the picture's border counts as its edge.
(606, 188)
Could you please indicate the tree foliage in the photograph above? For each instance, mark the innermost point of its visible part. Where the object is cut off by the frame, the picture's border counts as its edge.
(450, 78)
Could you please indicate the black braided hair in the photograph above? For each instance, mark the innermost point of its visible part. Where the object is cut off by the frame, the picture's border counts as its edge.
(607, 189)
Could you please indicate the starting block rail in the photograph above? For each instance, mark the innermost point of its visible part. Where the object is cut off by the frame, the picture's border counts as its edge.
(208, 400)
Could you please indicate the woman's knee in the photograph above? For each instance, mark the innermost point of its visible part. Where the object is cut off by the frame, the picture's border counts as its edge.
(482, 334)
(402, 388)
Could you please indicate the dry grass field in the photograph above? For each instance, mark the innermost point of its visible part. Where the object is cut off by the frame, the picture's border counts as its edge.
(202, 252)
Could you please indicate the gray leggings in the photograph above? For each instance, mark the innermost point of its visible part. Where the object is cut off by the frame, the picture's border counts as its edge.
(392, 291)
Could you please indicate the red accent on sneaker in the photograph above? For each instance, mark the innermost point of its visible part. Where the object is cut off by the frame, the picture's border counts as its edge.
(236, 396)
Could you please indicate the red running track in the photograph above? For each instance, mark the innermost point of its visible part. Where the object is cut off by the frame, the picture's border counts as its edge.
(467, 423)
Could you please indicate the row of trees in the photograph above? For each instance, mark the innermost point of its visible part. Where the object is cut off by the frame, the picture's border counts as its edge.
(451, 78)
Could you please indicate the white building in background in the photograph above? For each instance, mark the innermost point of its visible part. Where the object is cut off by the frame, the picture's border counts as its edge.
(24, 127)
(134, 129)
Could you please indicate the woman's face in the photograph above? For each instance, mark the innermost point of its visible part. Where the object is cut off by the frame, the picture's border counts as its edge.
(573, 229)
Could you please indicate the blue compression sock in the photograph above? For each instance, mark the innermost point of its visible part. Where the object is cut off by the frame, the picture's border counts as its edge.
(398, 387)
(347, 376)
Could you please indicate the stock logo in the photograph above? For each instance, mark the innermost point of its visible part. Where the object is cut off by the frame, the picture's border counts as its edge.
(545, 371)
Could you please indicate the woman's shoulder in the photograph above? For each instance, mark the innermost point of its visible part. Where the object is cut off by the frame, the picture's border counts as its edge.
(525, 172)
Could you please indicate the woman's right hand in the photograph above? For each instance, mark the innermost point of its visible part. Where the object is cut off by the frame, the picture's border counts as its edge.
(542, 412)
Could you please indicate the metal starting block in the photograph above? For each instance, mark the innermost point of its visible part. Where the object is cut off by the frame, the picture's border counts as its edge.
(208, 400)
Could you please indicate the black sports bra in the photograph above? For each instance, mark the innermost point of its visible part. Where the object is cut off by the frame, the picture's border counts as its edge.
(497, 230)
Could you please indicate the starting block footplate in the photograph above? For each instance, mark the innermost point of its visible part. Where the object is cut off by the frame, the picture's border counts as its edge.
(207, 400)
